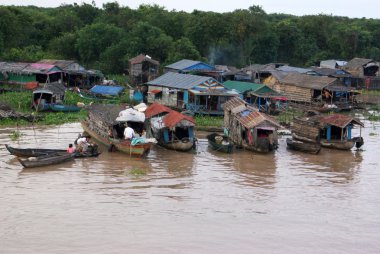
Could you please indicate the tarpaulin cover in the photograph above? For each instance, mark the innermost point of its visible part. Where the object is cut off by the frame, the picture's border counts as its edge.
(107, 90)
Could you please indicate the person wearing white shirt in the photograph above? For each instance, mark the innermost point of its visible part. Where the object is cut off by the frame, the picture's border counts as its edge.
(129, 133)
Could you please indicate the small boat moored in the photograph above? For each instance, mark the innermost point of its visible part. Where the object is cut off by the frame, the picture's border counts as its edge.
(301, 146)
(220, 143)
(36, 152)
(46, 160)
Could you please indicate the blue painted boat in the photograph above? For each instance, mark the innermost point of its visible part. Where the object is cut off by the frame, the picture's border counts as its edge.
(64, 108)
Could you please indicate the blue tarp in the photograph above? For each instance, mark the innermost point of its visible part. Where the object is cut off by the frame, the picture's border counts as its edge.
(107, 90)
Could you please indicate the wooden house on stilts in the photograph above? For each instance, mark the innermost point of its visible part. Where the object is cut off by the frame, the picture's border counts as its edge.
(248, 128)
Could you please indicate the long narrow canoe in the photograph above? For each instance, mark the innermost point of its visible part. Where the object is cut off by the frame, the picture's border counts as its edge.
(35, 152)
(301, 146)
(225, 146)
(64, 108)
(31, 152)
(46, 160)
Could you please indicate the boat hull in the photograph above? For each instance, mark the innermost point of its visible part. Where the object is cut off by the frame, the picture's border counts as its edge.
(178, 145)
(139, 150)
(338, 144)
(301, 146)
(225, 148)
(46, 160)
(333, 144)
(64, 108)
(31, 152)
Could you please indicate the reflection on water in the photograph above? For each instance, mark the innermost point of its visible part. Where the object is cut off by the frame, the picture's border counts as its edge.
(197, 202)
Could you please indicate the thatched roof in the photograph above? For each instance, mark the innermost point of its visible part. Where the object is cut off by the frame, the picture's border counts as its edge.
(307, 81)
(357, 63)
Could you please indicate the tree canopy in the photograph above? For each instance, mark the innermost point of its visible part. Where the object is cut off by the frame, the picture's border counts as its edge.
(107, 37)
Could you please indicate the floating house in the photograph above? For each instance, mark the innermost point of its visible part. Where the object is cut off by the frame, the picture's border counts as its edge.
(361, 67)
(29, 74)
(260, 95)
(52, 93)
(343, 77)
(299, 87)
(74, 74)
(142, 69)
(248, 128)
(170, 128)
(332, 131)
(199, 94)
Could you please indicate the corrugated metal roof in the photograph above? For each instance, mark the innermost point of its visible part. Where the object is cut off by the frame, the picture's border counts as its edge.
(242, 86)
(62, 64)
(174, 117)
(236, 105)
(182, 64)
(177, 80)
(288, 68)
(156, 109)
(339, 120)
(255, 118)
(141, 58)
(331, 64)
(307, 81)
(331, 72)
(14, 67)
(41, 68)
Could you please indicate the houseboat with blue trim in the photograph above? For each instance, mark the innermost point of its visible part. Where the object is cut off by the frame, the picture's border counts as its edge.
(198, 94)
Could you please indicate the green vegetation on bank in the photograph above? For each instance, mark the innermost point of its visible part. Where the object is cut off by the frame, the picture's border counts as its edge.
(21, 102)
(209, 121)
(105, 38)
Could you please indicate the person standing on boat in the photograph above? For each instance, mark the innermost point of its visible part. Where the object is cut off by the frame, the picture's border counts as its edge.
(129, 133)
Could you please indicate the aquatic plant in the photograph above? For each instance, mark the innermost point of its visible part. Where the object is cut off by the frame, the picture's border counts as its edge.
(374, 117)
(15, 135)
(373, 134)
(137, 172)
(209, 121)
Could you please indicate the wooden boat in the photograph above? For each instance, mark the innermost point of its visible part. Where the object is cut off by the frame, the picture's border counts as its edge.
(64, 108)
(224, 146)
(182, 145)
(138, 150)
(338, 144)
(301, 146)
(31, 152)
(35, 152)
(46, 160)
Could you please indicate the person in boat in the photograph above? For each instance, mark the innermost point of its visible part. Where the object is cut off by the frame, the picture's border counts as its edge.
(70, 149)
(129, 133)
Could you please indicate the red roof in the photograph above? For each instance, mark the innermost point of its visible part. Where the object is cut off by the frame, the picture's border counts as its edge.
(339, 120)
(156, 109)
(141, 58)
(174, 117)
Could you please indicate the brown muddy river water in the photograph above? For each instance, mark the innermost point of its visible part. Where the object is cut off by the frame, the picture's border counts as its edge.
(201, 202)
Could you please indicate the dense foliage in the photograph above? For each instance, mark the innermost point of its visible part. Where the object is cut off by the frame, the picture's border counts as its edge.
(105, 38)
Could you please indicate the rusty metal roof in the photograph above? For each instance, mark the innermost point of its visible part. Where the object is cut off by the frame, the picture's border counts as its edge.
(236, 105)
(156, 109)
(142, 58)
(174, 117)
(255, 119)
(339, 120)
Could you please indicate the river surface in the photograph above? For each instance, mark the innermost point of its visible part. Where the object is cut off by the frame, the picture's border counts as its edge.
(200, 202)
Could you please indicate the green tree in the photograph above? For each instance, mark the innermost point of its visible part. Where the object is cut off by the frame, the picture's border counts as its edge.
(94, 39)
